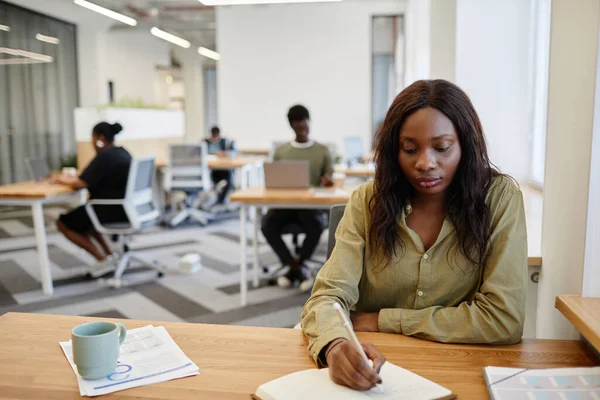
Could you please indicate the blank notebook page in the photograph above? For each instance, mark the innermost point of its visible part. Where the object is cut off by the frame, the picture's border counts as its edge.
(314, 384)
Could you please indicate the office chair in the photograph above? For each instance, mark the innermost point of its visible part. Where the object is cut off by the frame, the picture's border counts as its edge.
(274, 145)
(295, 230)
(335, 216)
(188, 172)
(141, 214)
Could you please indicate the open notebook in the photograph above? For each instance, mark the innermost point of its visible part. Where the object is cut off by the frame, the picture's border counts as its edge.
(315, 384)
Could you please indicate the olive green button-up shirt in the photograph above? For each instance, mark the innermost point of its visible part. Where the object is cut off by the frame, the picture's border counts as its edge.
(435, 294)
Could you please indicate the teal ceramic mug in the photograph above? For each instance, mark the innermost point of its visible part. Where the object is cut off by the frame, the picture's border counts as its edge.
(96, 348)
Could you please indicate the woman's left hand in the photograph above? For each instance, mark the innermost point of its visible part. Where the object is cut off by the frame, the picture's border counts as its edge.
(365, 322)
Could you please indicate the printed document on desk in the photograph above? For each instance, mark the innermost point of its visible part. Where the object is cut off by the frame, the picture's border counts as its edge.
(148, 355)
(543, 384)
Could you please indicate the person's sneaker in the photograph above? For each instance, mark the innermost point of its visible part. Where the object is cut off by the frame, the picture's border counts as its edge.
(284, 282)
(306, 280)
(101, 268)
(306, 285)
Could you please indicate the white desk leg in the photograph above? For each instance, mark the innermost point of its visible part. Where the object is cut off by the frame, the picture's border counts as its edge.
(255, 245)
(82, 197)
(42, 247)
(243, 263)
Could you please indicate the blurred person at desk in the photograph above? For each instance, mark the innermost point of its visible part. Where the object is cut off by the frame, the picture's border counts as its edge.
(310, 221)
(435, 247)
(221, 147)
(105, 178)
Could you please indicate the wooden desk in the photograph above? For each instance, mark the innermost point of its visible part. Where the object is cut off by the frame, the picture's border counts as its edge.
(221, 163)
(584, 314)
(33, 190)
(276, 198)
(360, 172)
(291, 198)
(235, 360)
(35, 195)
(255, 152)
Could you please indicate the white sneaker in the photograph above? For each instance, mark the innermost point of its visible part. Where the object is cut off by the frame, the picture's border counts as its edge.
(109, 264)
(283, 282)
(306, 285)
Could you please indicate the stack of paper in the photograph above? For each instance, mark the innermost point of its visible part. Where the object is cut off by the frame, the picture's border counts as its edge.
(148, 355)
(556, 383)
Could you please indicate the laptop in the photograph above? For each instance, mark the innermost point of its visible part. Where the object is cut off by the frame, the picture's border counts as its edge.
(38, 168)
(287, 175)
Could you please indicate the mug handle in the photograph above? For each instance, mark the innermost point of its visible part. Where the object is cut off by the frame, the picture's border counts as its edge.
(122, 333)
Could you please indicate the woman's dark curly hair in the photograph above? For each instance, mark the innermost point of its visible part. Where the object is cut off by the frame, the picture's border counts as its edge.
(466, 206)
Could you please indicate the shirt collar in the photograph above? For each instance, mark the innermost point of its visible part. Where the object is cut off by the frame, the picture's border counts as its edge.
(302, 145)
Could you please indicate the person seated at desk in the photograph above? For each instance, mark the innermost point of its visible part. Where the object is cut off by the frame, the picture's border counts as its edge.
(221, 147)
(105, 178)
(310, 221)
(435, 247)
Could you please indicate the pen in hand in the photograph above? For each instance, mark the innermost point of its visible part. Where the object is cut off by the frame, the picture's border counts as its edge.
(353, 338)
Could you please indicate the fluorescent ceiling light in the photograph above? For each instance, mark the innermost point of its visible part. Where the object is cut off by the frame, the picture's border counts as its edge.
(5, 28)
(209, 53)
(15, 61)
(240, 2)
(105, 11)
(47, 39)
(170, 38)
(25, 57)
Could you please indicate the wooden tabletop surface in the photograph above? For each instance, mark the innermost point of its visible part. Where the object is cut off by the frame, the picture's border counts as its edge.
(221, 163)
(360, 172)
(291, 196)
(33, 190)
(584, 314)
(255, 152)
(235, 360)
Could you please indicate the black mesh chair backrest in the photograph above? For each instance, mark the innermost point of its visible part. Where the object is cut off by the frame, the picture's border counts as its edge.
(335, 216)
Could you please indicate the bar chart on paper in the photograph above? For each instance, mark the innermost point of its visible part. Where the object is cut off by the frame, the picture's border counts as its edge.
(543, 384)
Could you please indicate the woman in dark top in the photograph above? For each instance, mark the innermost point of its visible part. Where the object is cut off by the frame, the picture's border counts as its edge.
(105, 178)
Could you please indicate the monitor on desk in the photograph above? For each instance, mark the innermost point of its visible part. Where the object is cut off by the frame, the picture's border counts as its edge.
(287, 175)
(38, 168)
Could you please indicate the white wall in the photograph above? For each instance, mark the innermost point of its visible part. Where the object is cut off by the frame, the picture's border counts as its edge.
(442, 36)
(275, 56)
(591, 266)
(418, 44)
(130, 59)
(571, 96)
(492, 56)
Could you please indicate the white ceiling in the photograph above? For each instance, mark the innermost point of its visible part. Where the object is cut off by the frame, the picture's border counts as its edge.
(186, 18)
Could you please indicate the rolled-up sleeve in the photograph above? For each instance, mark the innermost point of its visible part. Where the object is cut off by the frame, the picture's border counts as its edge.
(338, 279)
(496, 313)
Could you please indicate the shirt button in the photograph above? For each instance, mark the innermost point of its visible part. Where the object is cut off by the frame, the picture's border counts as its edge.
(425, 256)
(420, 293)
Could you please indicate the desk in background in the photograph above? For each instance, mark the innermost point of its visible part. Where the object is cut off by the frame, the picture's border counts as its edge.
(584, 314)
(255, 152)
(235, 360)
(35, 195)
(221, 162)
(276, 198)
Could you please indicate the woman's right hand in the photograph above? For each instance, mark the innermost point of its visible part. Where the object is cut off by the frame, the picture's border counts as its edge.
(348, 368)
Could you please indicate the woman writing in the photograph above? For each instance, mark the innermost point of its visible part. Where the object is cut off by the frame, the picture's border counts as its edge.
(435, 247)
(105, 178)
